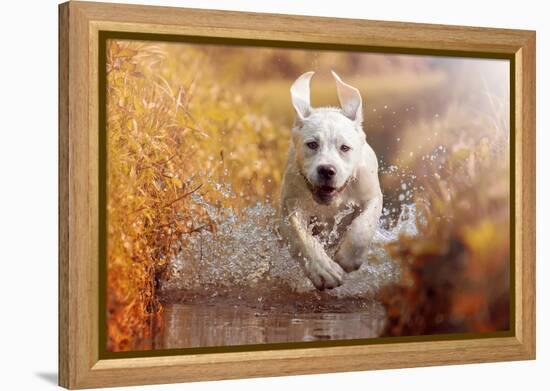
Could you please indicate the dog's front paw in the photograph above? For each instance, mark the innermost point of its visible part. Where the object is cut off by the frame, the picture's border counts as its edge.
(348, 259)
(325, 274)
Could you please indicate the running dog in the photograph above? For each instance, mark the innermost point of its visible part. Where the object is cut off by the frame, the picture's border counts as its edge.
(331, 199)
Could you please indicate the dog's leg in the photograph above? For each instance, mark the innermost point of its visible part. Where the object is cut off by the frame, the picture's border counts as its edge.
(323, 272)
(355, 243)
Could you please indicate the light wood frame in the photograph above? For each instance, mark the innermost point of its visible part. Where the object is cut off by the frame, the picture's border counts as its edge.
(79, 26)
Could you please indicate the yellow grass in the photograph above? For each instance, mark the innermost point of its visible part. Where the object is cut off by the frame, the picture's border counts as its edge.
(172, 131)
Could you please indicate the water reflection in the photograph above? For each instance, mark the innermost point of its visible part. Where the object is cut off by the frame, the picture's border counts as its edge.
(224, 324)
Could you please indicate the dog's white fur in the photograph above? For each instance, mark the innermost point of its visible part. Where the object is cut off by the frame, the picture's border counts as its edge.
(347, 200)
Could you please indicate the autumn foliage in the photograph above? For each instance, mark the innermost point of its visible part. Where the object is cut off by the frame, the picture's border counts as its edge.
(456, 271)
(172, 133)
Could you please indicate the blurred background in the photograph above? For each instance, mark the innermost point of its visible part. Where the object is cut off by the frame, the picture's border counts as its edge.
(214, 121)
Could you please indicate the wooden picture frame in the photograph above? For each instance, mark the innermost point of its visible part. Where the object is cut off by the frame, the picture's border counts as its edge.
(80, 26)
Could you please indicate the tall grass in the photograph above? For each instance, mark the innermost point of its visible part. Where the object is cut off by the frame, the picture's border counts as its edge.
(456, 271)
(172, 132)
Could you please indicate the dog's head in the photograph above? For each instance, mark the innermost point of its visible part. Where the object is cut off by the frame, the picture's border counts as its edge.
(328, 141)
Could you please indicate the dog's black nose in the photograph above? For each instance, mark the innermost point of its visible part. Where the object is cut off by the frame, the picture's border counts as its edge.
(326, 171)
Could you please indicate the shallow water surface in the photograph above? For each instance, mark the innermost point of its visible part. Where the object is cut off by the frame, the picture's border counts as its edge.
(229, 324)
(239, 286)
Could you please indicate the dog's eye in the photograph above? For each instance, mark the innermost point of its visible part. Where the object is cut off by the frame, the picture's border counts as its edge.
(344, 148)
(312, 145)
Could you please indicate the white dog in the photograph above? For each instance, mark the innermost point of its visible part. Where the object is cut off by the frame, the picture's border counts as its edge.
(331, 199)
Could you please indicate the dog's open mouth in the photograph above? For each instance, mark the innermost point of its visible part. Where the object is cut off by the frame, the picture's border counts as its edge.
(327, 191)
(324, 194)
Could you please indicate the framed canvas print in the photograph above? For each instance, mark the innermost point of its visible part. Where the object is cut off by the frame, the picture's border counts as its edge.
(257, 195)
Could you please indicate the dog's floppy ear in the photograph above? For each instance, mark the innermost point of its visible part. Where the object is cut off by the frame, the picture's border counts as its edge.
(299, 93)
(350, 99)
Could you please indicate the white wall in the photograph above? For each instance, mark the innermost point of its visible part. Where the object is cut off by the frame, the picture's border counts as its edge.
(28, 195)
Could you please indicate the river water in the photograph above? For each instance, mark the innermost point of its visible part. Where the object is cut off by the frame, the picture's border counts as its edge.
(239, 286)
(228, 323)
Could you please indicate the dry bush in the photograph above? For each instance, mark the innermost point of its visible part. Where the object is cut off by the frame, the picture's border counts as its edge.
(169, 125)
(456, 270)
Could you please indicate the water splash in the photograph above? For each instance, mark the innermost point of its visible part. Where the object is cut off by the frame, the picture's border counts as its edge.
(245, 257)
